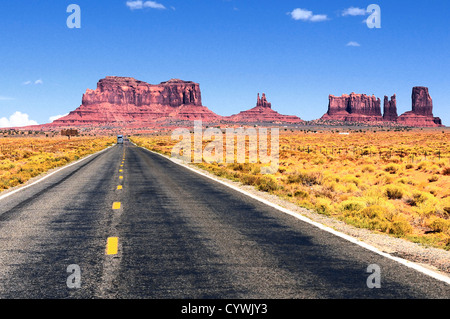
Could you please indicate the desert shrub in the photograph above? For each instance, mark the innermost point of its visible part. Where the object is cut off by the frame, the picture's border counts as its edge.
(242, 167)
(400, 226)
(447, 210)
(266, 184)
(435, 169)
(301, 194)
(351, 188)
(248, 179)
(374, 211)
(351, 179)
(422, 165)
(383, 179)
(392, 168)
(439, 225)
(417, 198)
(368, 169)
(323, 206)
(433, 179)
(257, 170)
(371, 217)
(352, 205)
(393, 192)
(426, 209)
(306, 178)
(446, 171)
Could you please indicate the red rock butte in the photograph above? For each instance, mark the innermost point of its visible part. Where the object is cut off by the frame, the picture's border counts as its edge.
(363, 108)
(125, 101)
(422, 110)
(262, 113)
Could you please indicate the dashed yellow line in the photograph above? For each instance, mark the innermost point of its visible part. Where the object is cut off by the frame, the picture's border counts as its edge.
(116, 205)
(112, 245)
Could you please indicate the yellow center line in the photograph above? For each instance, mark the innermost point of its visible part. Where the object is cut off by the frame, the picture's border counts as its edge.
(116, 205)
(119, 187)
(120, 170)
(120, 177)
(112, 245)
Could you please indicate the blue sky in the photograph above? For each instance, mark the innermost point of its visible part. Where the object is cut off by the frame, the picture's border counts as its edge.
(297, 52)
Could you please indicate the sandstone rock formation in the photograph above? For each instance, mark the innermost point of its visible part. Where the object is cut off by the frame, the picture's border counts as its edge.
(390, 109)
(262, 113)
(363, 108)
(422, 104)
(263, 101)
(353, 108)
(422, 110)
(125, 101)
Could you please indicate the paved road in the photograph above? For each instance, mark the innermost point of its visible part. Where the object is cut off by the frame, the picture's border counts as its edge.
(180, 235)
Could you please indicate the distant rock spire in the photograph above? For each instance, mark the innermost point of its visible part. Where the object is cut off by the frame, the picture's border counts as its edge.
(390, 109)
(262, 102)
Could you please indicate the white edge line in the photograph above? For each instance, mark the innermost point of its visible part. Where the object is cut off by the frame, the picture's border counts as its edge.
(50, 174)
(402, 261)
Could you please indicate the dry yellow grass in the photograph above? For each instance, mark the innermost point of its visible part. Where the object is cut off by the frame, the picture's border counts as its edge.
(391, 182)
(22, 158)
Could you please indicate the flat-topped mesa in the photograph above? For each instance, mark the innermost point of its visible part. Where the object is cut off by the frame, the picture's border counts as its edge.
(390, 109)
(125, 101)
(126, 90)
(353, 107)
(364, 105)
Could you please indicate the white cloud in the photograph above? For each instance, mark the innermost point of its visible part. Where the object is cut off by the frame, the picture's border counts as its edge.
(318, 18)
(139, 4)
(6, 98)
(301, 14)
(54, 118)
(353, 44)
(16, 120)
(352, 11)
(135, 5)
(39, 81)
(307, 15)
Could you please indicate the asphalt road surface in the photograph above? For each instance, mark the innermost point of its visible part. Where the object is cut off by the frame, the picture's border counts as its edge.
(154, 229)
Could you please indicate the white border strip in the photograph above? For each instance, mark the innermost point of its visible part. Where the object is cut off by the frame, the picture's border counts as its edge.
(52, 173)
(402, 261)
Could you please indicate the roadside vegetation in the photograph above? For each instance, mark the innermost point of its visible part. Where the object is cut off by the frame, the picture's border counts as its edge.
(22, 158)
(396, 183)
